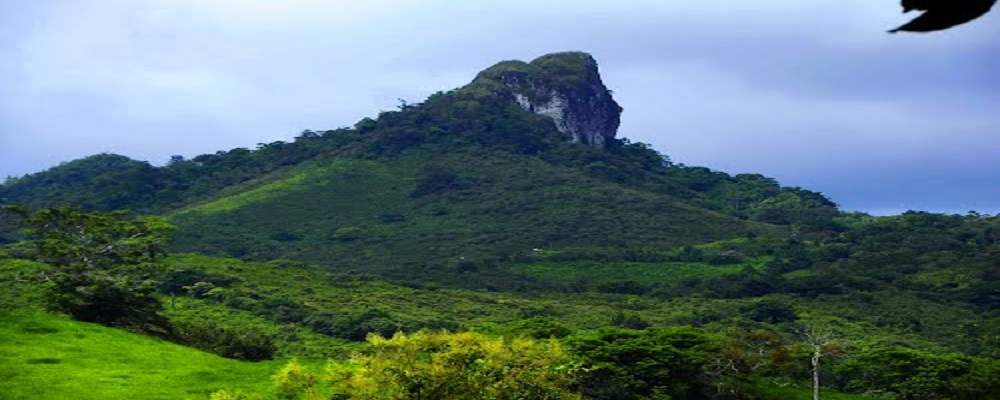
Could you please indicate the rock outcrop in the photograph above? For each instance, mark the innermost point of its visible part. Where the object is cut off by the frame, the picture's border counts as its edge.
(565, 87)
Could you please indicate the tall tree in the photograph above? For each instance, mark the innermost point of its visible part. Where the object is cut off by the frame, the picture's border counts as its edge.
(99, 263)
(822, 341)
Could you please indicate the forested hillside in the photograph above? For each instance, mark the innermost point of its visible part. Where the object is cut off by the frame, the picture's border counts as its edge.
(503, 229)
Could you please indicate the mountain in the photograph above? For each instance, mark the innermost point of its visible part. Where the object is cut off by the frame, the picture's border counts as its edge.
(524, 157)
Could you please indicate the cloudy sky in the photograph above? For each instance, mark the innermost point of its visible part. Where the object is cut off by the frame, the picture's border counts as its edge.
(812, 92)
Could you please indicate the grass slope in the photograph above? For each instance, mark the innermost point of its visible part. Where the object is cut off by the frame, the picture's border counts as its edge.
(49, 357)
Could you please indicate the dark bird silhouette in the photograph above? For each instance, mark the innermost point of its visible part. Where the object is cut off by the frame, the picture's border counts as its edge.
(942, 14)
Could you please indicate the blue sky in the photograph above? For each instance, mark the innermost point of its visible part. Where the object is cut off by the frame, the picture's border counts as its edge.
(811, 92)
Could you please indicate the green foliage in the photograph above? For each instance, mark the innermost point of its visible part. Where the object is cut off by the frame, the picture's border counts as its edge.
(239, 343)
(19, 285)
(294, 381)
(567, 71)
(540, 327)
(654, 363)
(755, 197)
(428, 365)
(770, 311)
(350, 306)
(920, 375)
(747, 355)
(96, 261)
(436, 179)
(233, 395)
(628, 321)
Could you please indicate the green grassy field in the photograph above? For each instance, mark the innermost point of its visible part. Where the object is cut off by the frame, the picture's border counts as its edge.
(44, 356)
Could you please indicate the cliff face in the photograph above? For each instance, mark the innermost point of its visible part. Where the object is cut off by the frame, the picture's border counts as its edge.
(565, 87)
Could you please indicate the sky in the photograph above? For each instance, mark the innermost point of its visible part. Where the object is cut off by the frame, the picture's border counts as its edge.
(811, 92)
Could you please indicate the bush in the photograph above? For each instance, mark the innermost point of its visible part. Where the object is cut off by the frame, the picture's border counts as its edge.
(443, 366)
(240, 343)
(109, 300)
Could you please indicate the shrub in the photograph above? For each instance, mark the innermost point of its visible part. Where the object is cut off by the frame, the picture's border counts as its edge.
(240, 343)
(447, 366)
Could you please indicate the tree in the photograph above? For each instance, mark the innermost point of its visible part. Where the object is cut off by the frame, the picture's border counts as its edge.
(920, 375)
(741, 358)
(822, 342)
(624, 364)
(98, 264)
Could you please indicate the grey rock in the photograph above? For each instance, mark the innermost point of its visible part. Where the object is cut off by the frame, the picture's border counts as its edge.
(567, 88)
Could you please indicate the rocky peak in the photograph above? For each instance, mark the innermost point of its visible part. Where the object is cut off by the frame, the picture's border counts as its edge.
(565, 87)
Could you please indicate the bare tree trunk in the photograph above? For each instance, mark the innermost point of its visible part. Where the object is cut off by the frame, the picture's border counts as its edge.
(817, 337)
(817, 353)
